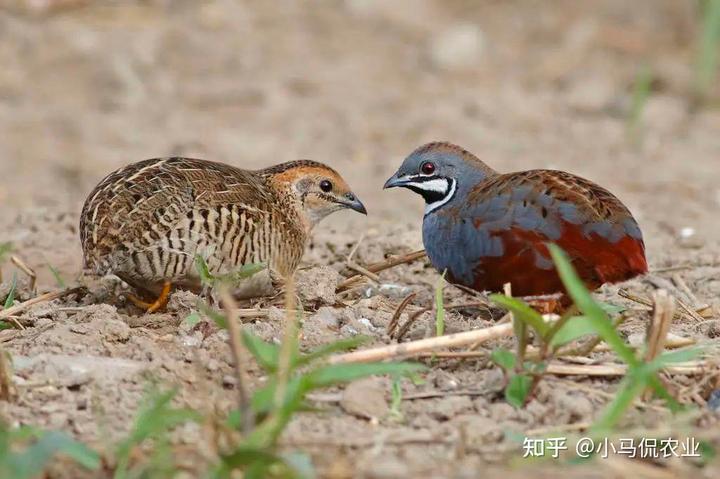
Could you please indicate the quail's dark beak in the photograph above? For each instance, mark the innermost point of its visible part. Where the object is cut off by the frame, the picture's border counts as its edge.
(353, 202)
(394, 182)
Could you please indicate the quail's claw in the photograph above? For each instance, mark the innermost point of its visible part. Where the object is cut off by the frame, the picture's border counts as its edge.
(156, 305)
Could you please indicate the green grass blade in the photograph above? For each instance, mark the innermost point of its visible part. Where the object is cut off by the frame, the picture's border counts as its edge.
(245, 271)
(439, 306)
(708, 48)
(218, 318)
(155, 419)
(10, 299)
(523, 312)
(201, 266)
(592, 310)
(641, 93)
(518, 389)
(631, 387)
(58, 277)
(32, 461)
(575, 328)
(503, 358)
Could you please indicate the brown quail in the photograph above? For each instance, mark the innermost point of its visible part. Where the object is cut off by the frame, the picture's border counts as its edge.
(147, 222)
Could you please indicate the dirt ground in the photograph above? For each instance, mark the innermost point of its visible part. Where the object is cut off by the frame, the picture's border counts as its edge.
(90, 86)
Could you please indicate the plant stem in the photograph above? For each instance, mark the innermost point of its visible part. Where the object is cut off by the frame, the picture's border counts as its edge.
(247, 416)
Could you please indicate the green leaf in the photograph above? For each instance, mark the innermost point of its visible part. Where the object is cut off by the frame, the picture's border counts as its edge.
(707, 452)
(201, 266)
(678, 356)
(503, 358)
(397, 396)
(584, 301)
(75, 450)
(535, 368)
(244, 456)
(606, 330)
(32, 461)
(575, 328)
(630, 388)
(193, 319)
(245, 271)
(265, 354)
(611, 309)
(518, 389)
(523, 312)
(218, 318)
(155, 419)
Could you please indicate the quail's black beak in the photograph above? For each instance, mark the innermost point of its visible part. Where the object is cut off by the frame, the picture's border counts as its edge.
(394, 182)
(353, 202)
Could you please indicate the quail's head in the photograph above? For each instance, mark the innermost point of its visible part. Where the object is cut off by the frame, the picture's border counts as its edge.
(317, 189)
(437, 171)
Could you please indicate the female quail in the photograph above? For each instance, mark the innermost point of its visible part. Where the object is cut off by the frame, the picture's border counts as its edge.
(487, 229)
(146, 222)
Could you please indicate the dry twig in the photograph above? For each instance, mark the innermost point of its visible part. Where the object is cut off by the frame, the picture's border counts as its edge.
(398, 312)
(18, 308)
(381, 266)
(694, 314)
(691, 368)
(22, 266)
(410, 321)
(289, 340)
(413, 348)
(682, 286)
(659, 325)
(233, 325)
(7, 388)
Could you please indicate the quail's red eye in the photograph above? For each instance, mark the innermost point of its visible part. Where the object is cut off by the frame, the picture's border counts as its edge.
(427, 168)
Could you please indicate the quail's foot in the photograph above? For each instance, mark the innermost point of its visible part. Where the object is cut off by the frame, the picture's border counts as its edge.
(156, 305)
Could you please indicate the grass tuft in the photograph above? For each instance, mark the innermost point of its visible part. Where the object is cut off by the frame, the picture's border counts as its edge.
(523, 376)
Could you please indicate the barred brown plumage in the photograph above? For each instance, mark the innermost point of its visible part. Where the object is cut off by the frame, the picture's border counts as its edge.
(146, 222)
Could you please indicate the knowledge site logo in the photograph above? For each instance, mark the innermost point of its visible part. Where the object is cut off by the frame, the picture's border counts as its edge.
(585, 447)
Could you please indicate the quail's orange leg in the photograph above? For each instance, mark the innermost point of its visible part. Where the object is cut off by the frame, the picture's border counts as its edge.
(550, 304)
(159, 303)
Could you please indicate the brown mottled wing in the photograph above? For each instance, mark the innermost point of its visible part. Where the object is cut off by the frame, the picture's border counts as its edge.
(140, 202)
(593, 202)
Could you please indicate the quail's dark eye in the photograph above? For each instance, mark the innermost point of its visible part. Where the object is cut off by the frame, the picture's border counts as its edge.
(427, 168)
(326, 186)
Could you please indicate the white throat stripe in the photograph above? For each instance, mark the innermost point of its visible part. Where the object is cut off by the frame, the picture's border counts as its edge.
(448, 190)
(436, 185)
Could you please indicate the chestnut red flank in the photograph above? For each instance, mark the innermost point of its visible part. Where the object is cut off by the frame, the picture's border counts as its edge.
(487, 229)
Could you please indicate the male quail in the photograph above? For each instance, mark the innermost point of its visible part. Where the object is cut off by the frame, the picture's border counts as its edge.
(146, 222)
(487, 228)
